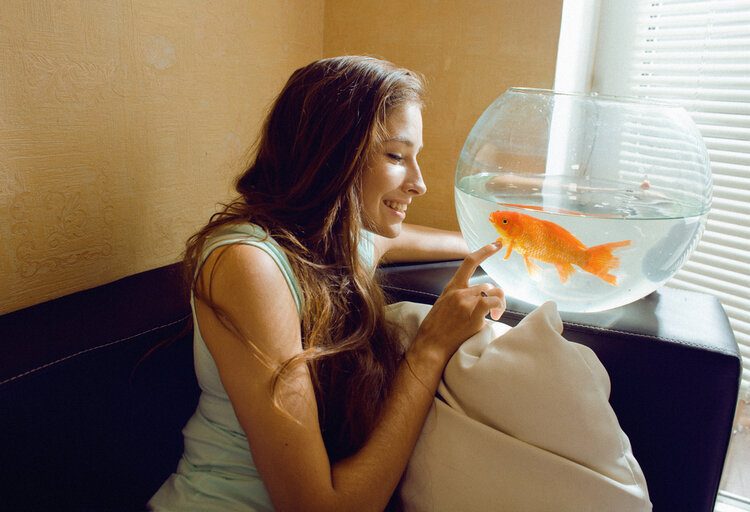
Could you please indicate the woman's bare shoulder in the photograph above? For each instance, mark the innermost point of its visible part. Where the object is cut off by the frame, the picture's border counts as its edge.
(244, 290)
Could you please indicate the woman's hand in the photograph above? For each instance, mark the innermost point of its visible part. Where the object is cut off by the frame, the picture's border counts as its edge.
(460, 310)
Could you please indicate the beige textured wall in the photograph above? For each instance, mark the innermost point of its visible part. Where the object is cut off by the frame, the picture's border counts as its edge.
(470, 51)
(122, 124)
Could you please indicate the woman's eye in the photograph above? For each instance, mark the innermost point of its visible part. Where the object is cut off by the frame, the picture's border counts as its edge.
(395, 157)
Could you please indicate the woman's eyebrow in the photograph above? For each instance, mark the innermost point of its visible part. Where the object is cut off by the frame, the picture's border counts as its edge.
(402, 139)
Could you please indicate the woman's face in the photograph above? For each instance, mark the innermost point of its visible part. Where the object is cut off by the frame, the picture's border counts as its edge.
(393, 178)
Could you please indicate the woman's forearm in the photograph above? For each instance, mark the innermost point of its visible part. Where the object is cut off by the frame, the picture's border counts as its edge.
(375, 470)
(422, 243)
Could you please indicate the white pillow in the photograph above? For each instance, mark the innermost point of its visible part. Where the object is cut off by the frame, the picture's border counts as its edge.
(524, 425)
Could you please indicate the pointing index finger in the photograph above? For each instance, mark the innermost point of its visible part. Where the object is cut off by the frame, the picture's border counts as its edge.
(472, 261)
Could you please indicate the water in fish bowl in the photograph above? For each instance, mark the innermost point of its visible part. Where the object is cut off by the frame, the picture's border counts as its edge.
(587, 244)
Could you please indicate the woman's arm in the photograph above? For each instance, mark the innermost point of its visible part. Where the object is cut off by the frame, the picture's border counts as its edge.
(420, 243)
(259, 328)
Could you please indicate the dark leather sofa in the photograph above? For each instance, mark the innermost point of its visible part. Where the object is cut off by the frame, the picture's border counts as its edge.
(90, 416)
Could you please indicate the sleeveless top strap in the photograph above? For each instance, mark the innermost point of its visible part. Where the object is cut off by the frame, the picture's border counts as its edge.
(250, 234)
(367, 248)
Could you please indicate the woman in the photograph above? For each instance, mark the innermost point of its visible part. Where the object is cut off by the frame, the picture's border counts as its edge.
(309, 401)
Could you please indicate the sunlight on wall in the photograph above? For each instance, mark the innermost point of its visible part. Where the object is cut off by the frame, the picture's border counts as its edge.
(470, 53)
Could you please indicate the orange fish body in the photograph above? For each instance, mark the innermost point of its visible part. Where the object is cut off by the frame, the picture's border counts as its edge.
(536, 239)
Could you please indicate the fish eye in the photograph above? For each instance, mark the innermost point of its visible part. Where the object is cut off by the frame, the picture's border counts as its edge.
(505, 221)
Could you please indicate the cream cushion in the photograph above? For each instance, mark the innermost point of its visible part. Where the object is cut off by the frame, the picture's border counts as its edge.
(522, 423)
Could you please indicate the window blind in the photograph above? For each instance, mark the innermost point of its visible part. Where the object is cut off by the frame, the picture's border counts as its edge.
(697, 54)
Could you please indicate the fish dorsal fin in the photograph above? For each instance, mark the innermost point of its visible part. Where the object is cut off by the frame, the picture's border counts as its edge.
(559, 233)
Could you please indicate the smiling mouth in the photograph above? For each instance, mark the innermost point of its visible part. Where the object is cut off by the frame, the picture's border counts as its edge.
(399, 207)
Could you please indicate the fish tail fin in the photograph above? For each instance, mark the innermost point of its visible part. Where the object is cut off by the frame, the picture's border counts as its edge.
(601, 260)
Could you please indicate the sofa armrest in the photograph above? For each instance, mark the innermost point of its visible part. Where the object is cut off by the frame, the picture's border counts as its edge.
(675, 370)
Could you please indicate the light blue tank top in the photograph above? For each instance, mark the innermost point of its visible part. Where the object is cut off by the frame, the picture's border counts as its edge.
(216, 471)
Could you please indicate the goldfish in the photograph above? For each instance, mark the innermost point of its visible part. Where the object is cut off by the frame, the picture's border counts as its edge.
(536, 239)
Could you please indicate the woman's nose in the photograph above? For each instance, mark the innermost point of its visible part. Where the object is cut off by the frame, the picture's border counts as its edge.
(414, 183)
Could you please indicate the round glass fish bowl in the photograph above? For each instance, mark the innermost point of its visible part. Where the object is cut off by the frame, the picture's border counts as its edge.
(597, 200)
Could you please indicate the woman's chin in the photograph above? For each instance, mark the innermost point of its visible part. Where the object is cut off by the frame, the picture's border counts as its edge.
(387, 231)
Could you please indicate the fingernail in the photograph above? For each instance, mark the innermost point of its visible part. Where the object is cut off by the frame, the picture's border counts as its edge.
(497, 244)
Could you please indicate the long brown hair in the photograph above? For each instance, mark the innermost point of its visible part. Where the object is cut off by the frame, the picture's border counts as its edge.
(304, 189)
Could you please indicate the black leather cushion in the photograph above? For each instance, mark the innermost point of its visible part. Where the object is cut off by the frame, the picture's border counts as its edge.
(84, 423)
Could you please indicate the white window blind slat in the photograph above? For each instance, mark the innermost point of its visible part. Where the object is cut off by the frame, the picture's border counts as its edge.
(730, 205)
(731, 43)
(729, 229)
(738, 182)
(729, 169)
(729, 157)
(721, 118)
(691, 92)
(741, 146)
(743, 317)
(742, 327)
(725, 131)
(738, 81)
(735, 194)
(682, 7)
(740, 245)
(687, 69)
(712, 260)
(668, 22)
(730, 107)
(690, 55)
(728, 217)
(713, 250)
(739, 282)
(688, 31)
(745, 351)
